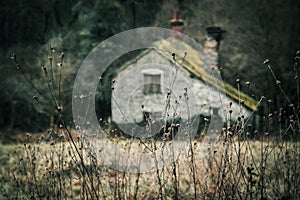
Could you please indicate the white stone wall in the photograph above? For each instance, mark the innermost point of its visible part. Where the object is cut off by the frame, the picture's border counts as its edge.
(128, 96)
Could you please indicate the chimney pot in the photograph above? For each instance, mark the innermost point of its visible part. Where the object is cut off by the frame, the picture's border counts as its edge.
(214, 33)
(176, 24)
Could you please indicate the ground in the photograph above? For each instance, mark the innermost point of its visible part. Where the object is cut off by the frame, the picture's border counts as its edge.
(49, 168)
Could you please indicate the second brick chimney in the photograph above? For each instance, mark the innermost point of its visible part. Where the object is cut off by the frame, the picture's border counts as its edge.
(211, 46)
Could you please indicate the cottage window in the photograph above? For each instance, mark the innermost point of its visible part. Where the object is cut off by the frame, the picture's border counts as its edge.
(152, 84)
(152, 81)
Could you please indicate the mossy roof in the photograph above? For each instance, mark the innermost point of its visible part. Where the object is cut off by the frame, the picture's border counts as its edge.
(194, 63)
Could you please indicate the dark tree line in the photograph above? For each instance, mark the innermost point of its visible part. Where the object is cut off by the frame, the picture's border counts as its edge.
(255, 30)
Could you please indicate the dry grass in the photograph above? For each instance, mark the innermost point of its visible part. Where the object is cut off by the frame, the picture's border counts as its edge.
(248, 169)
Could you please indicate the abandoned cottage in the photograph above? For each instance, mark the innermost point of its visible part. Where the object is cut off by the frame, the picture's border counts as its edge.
(162, 83)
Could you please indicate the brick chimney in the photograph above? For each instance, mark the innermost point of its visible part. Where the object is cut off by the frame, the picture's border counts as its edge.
(211, 46)
(176, 24)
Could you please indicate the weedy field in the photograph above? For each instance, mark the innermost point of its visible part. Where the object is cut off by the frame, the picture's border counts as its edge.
(244, 163)
(261, 167)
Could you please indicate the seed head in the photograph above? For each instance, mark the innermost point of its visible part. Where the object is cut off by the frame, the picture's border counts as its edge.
(59, 108)
(13, 56)
(267, 133)
(248, 134)
(266, 62)
(44, 68)
(173, 55)
(35, 98)
(278, 82)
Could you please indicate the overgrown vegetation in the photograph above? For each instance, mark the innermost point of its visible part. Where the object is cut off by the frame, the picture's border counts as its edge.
(245, 163)
(248, 169)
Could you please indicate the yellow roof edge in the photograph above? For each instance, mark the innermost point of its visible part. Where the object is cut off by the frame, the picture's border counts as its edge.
(202, 74)
(228, 89)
